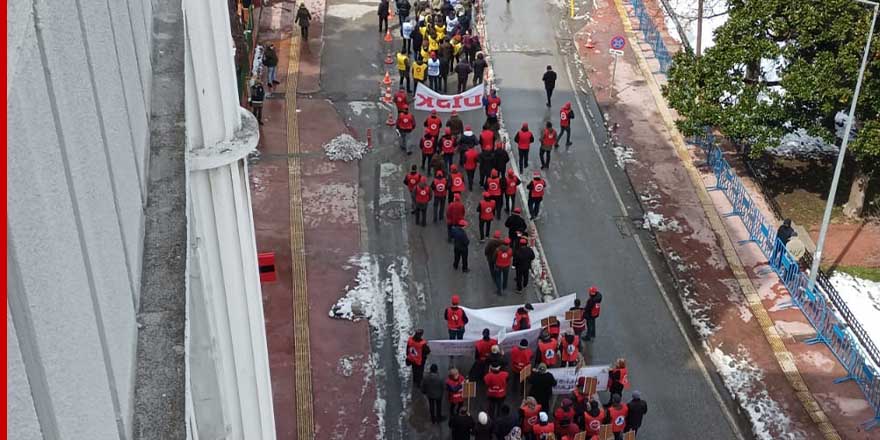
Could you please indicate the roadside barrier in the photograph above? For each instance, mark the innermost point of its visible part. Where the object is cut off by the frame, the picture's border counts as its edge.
(651, 34)
(835, 324)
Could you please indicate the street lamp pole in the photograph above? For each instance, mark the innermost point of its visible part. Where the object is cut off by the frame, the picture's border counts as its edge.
(826, 218)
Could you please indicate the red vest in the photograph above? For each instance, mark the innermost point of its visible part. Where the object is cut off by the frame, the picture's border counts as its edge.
(492, 107)
(564, 420)
(412, 179)
(538, 188)
(427, 146)
(423, 194)
(484, 347)
(595, 310)
(503, 256)
(470, 159)
(487, 138)
(405, 122)
(455, 389)
(520, 317)
(432, 125)
(512, 181)
(549, 137)
(487, 209)
(618, 417)
(592, 424)
(570, 351)
(563, 117)
(447, 145)
(493, 186)
(414, 350)
(454, 318)
(524, 139)
(541, 430)
(578, 325)
(496, 384)
(457, 182)
(400, 99)
(547, 352)
(530, 417)
(440, 187)
(519, 358)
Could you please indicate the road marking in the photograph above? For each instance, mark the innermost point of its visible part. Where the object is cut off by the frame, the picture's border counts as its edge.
(783, 356)
(301, 344)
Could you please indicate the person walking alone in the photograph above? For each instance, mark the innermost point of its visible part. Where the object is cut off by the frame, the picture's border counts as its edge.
(256, 96)
(592, 310)
(270, 60)
(303, 17)
(549, 79)
(383, 15)
(636, 410)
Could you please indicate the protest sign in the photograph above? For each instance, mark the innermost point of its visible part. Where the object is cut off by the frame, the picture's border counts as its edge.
(567, 378)
(426, 99)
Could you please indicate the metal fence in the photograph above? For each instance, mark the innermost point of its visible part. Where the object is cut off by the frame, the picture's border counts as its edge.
(652, 35)
(835, 325)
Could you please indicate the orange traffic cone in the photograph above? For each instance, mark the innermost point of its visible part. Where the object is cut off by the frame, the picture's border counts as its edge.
(387, 98)
(390, 120)
(388, 59)
(387, 79)
(390, 13)
(387, 35)
(589, 44)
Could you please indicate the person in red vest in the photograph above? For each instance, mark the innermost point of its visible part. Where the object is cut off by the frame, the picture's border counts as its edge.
(486, 210)
(503, 261)
(454, 390)
(411, 180)
(440, 188)
(564, 417)
(548, 141)
(400, 98)
(580, 396)
(483, 347)
(405, 125)
(579, 325)
(520, 356)
(470, 165)
(536, 188)
(456, 319)
(456, 181)
(447, 147)
(592, 310)
(492, 104)
(454, 214)
(618, 378)
(423, 197)
(617, 416)
(496, 388)
(544, 429)
(529, 415)
(428, 145)
(432, 124)
(594, 418)
(565, 117)
(493, 187)
(523, 139)
(487, 138)
(547, 350)
(569, 349)
(417, 352)
(510, 182)
(521, 320)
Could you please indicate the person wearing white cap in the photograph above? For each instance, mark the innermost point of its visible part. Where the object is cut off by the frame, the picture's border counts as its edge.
(545, 428)
(484, 428)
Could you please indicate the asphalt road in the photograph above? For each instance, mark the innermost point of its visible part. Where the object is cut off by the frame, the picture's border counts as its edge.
(588, 237)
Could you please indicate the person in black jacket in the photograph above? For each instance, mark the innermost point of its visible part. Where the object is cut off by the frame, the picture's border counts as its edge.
(487, 164)
(541, 384)
(549, 79)
(270, 60)
(460, 242)
(383, 15)
(480, 65)
(484, 427)
(403, 8)
(256, 96)
(785, 231)
(433, 387)
(303, 17)
(505, 422)
(515, 223)
(461, 425)
(636, 410)
(522, 259)
(591, 311)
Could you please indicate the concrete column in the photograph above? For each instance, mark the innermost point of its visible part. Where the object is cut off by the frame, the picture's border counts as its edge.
(229, 389)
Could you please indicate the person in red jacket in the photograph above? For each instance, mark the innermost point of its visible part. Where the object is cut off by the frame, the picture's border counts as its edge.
(470, 165)
(522, 320)
(594, 418)
(456, 181)
(496, 388)
(456, 319)
(618, 378)
(548, 141)
(520, 356)
(493, 187)
(503, 261)
(547, 350)
(411, 180)
(592, 310)
(536, 188)
(400, 98)
(428, 145)
(617, 416)
(569, 349)
(510, 182)
(564, 417)
(432, 124)
(492, 103)
(528, 414)
(486, 210)
(405, 125)
(447, 147)
(565, 117)
(523, 139)
(454, 214)
(544, 429)
(487, 138)
(417, 351)
(440, 188)
(454, 390)
(423, 196)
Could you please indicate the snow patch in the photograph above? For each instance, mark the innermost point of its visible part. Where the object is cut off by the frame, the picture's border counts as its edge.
(698, 311)
(657, 222)
(624, 155)
(346, 148)
(863, 298)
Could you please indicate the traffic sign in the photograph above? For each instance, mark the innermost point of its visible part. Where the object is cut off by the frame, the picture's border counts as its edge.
(618, 42)
(615, 52)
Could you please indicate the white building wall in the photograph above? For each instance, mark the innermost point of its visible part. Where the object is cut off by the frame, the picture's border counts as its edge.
(79, 86)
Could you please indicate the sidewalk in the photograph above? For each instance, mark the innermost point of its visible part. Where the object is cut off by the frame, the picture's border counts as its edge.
(714, 289)
(306, 211)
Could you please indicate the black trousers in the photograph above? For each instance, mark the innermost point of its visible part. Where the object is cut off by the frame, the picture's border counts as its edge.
(383, 23)
(484, 174)
(495, 404)
(434, 408)
(421, 213)
(499, 204)
(591, 328)
(509, 201)
(456, 334)
(485, 228)
(534, 207)
(439, 207)
(461, 255)
(257, 110)
(407, 43)
(523, 159)
(522, 277)
(567, 131)
(444, 83)
(426, 160)
(434, 83)
(462, 83)
(545, 158)
(304, 32)
(549, 91)
(470, 178)
(404, 77)
(418, 371)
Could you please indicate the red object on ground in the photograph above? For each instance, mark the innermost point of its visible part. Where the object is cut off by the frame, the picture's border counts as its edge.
(266, 262)
(388, 35)
(390, 120)
(370, 136)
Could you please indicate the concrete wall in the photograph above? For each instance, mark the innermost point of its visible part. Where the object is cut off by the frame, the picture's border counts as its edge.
(79, 87)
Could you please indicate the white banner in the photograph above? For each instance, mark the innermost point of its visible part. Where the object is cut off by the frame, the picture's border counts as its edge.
(427, 100)
(498, 319)
(566, 378)
(452, 347)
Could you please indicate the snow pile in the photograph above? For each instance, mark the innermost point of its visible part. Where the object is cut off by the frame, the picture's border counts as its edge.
(863, 298)
(367, 299)
(345, 148)
(624, 155)
(698, 310)
(744, 380)
(657, 222)
(543, 284)
(799, 144)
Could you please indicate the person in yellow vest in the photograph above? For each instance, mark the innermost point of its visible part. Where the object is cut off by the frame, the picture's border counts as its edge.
(440, 29)
(403, 65)
(419, 69)
(433, 44)
(456, 49)
(425, 52)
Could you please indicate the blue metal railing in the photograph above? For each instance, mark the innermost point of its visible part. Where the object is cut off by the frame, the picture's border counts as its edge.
(652, 35)
(841, 332)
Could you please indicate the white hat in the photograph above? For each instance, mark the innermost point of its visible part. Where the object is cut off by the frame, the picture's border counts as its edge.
(483, 418)
(542, 416)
